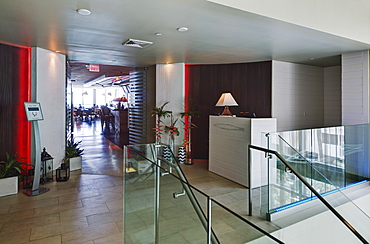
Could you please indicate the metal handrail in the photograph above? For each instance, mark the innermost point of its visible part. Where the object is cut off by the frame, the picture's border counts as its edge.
(327, 204)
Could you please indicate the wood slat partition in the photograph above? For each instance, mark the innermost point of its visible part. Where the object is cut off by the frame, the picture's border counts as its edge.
(15, 88)
(249, 83)
(138, 107)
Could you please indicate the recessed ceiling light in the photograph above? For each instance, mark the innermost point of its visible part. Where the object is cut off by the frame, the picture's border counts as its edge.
(312, 58)
(182, 29)
(83, 11)
(158, 34)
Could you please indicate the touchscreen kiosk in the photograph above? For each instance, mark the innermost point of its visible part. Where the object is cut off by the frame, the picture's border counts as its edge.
(33, 111)
(34, 114)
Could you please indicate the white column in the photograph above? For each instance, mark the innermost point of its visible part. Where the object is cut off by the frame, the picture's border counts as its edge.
(50, 81)
(170, 87)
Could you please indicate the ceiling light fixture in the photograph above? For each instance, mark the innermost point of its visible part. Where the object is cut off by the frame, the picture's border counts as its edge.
(83, 11)
(182, 29)
(158, 34)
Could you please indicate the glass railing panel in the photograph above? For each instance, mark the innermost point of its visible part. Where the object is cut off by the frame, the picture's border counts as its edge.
(339, 153)
(356, 153)
(139, 190)
(327, 154)
(286, 190)
(300, 140)
(178, 220)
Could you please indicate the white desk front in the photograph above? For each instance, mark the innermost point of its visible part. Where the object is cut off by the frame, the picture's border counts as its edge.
(229, 138)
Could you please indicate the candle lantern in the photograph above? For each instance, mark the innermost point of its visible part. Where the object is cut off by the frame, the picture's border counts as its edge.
(62, 173)
(46, 170)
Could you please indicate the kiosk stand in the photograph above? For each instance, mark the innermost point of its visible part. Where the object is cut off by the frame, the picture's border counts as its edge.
(34, 114)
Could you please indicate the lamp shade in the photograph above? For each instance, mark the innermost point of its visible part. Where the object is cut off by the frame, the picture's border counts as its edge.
(226, 99)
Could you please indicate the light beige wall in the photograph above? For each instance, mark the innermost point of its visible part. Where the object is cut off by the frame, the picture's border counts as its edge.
(49, 74)
(332, 96)
(346, 18)
(355, 88)
(297, 96)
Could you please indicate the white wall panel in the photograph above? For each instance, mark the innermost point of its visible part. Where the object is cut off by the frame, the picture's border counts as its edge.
(50, 80)
(332, 96)
(355, 88)
(297, 95)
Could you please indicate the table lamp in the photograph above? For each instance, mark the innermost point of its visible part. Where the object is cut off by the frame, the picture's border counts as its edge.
(124, 100)
(226, 100)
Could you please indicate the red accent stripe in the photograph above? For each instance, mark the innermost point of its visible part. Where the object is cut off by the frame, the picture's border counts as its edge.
(186, 101)
(23, 134)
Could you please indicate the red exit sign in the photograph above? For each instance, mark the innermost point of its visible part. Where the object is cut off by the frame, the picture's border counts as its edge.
(94, 67)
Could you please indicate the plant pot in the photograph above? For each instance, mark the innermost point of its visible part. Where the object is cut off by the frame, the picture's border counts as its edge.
(182, 155)
(9, 186)
(75, 163)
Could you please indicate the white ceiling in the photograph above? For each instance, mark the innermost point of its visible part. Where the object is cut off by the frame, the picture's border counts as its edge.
(217, 34)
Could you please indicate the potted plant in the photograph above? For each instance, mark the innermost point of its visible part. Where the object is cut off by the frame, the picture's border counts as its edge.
(10, 170)
(173, 131)
(189, 113)
(73, 154)
(160, 113)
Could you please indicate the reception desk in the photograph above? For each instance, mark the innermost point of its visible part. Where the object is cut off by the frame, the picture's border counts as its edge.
(229, 138)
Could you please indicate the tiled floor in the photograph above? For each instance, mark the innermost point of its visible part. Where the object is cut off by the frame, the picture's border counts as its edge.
(88, 207)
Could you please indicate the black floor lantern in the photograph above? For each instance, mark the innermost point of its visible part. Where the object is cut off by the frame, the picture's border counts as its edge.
(62, 173)
(46, 167)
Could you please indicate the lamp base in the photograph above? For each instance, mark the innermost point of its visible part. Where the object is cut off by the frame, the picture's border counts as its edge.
(226, 112)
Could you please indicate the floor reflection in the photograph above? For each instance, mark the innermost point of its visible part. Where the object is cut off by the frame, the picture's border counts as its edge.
(101, 156)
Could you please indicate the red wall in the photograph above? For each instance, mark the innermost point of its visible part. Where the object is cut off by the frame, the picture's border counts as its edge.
(15, 89)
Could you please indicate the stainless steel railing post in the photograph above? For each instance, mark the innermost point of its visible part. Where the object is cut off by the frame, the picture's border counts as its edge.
(209, 213)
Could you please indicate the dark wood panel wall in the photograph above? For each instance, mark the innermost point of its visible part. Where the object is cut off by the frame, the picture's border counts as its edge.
(249, 83)
(15, 80)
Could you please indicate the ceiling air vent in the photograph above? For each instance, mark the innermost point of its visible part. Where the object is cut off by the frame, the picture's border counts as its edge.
(136, 43)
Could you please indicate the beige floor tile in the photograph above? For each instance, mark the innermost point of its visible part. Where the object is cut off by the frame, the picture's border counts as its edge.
(57, 208)
(107, 217)
(90, 202)
(58, 228)
(77, 213)
(34, 204)
(115, 205)
(32, 222)
(79, 196)
(49, 240)
(15, 216)
(112, 239)
(4, 208)
(90, 233)
(56, 192)
(21, 236)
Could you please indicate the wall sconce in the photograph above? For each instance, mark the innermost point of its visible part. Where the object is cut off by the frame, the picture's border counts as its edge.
(226, 100)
